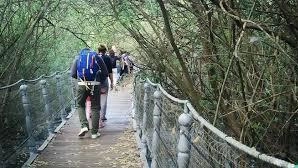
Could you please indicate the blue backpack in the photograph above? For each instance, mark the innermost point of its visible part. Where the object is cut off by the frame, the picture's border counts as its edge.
(87, 65)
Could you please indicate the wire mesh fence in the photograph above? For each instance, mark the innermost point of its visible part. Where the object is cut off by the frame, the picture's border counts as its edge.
(209, 150)
(148, 110)
(139, 102)
(37, 113)
(51, 85)
(174, 135)
(168, 133)
(27, 118)
(12, 126)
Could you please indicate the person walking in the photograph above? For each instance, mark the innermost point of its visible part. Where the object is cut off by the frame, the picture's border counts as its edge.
(114, 59)
(89, 69)
(126, 63)
(104, 88)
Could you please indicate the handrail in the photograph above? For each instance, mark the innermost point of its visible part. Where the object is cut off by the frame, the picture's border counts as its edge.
(166, 93)
(50, 76)
(33, 80)
(44, 113)
(11, 85)
(251, 151)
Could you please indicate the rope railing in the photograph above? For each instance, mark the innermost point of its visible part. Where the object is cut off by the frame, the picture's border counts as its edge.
(173, 134)
(32, 111)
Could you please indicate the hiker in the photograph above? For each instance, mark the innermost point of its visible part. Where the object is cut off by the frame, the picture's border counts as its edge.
(123, 65)
(129, 62)
(89, 69)
(115, 60)
(104, 87)
(119, 65)
(126, 64)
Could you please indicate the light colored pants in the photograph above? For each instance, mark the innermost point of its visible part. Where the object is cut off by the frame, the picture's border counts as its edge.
(104, 98)
(116, 75)
(103, 103)
(88, 112)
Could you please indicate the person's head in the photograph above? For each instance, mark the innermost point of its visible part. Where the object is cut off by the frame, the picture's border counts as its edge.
(102, 49)
(121, 52)
(112, 53)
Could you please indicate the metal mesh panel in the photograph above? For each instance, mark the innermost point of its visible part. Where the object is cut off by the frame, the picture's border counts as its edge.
(38, 115)
(209, 150)
(149, 125)
(12, 120)
(67, 91)
(139, 102)
(14, 135)
(209, 147)
(54, 101)
(169, 133)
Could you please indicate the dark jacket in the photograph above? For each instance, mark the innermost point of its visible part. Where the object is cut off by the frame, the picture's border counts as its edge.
(100, 76)
(108, 61)
(114, 58)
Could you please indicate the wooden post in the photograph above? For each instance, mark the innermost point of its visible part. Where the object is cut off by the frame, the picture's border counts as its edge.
(156, 122)
(144, 126)
(60, 97)
(184, 145)
(47, 108)
(27, 109)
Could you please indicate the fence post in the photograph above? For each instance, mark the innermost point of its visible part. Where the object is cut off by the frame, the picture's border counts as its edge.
(139, 106)
(156, 122)
(27, 109)
(73, 88)
(185, 121)
(47, 108)
(144, 126)
(136, 112)
(60, 97)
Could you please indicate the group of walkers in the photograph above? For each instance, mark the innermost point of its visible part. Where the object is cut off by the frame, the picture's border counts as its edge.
(94, 74)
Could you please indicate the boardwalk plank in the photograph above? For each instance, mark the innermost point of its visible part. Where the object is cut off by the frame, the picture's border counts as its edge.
(67, 150)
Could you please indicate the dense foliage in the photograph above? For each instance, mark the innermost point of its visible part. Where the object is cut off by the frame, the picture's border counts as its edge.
(237, 59)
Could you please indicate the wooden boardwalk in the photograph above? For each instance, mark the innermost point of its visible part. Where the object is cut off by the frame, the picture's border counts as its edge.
(116, 147)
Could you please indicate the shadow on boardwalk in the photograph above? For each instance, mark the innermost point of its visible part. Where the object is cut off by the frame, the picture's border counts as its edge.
(116, 147)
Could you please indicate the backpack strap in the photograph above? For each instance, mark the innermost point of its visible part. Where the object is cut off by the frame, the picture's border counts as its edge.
(89, 85)
(86, 83)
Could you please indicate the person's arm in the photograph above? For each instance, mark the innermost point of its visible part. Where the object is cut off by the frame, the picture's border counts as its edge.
(103, 67)
(73, 69)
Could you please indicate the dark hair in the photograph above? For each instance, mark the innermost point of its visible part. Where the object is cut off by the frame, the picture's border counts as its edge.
(111, 51)
(102, 49)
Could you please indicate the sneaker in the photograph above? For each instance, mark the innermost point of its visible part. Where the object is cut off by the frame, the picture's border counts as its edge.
(101, 124)
(104, 119)
(83, 131)
(94, 136)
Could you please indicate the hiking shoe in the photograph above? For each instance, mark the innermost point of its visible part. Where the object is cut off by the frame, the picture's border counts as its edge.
(83, 131)
(104, 119)
(94, 136)
(101, 124)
